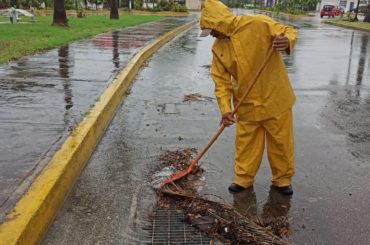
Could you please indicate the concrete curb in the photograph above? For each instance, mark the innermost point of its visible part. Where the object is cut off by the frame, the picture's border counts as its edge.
(29, 221)
(345, 26)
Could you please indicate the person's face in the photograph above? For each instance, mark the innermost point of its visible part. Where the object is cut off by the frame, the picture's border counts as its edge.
(218, 34)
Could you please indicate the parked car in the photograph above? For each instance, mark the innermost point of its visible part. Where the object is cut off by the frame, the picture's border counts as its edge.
(327, 10)
(338, 11)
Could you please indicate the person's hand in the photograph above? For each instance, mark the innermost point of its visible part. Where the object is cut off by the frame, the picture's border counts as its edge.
(280, 43)
(227, 119)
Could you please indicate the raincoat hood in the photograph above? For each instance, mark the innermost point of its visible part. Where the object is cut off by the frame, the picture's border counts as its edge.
(217, 16)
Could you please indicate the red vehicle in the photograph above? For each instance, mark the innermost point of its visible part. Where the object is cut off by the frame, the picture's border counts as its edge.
(327, 10)
(338, 11)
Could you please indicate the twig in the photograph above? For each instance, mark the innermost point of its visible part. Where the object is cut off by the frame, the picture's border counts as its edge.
(176, 186)
(225, 202)
(243, 220)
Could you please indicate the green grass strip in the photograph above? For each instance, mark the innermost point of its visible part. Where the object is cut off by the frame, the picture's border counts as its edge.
(17, 40)
(359, 25)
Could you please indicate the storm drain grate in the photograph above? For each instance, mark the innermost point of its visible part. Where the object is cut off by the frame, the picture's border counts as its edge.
(169, 227)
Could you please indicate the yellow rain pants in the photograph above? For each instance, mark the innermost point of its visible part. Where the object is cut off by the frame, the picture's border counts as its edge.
(277, 132)
(265, 110)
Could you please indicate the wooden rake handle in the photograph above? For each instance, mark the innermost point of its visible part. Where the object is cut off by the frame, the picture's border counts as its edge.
(249, 88)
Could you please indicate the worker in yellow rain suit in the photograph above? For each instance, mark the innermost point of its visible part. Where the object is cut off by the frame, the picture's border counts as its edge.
(241, 45)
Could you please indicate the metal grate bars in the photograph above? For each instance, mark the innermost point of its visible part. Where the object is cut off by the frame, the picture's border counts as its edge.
(169, 227)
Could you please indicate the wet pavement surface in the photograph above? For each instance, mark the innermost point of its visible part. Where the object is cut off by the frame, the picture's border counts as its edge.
(43, 97)
(330, 72)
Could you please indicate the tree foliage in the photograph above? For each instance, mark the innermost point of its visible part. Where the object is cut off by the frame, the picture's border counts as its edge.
(278, 5)
(303, 5)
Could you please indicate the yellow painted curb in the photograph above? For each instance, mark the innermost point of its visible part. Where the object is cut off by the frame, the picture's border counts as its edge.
(29, 220)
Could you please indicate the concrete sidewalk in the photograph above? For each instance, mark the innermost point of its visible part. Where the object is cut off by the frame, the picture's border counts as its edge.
(44, 96)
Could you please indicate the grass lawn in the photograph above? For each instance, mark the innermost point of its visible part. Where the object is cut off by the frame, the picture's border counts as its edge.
(357, 25)
(17, 40)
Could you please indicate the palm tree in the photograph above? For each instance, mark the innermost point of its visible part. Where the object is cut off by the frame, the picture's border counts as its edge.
(59, 16)
(114, 9)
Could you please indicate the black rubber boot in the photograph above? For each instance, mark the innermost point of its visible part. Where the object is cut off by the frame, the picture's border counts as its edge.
(285, 190)
(236, 188)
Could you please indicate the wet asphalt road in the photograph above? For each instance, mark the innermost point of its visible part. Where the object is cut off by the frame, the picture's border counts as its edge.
(330, 72)
(44, 96)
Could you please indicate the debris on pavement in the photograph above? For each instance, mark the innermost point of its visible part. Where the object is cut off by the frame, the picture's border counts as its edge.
(217, 220)
(280, 226)
(197, 97)
(178, 159)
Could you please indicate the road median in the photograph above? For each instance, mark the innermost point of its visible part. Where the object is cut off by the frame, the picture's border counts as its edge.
(360, 26)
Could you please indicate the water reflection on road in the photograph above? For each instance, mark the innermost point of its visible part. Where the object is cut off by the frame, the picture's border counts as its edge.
(44, 96)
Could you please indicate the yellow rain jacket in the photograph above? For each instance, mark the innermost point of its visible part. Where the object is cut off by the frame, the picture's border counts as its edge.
(266, 114)
(241, 56)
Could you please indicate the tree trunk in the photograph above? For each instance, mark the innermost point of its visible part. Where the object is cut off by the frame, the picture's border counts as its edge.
(59, 16)
(367, 17)
(114, 10)
(356, 12)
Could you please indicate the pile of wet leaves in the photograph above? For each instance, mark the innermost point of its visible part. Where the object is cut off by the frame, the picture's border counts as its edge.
(218, 220)
(179, 159)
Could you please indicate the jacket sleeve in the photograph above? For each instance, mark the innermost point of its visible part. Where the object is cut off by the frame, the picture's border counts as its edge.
(277, 28)
(223, 85)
